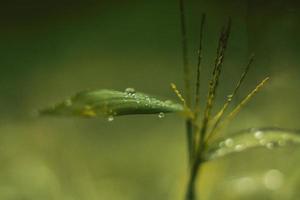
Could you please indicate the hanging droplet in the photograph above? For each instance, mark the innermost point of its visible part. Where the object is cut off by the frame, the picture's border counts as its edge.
(110, 118)
(161, 115)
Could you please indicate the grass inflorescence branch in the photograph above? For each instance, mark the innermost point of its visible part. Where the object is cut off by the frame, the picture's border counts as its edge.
(199, 134)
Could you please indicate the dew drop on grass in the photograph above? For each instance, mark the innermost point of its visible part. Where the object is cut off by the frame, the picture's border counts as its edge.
(239, 147)
(262, 142)
(229, 97)
(161, 115)
(110, 118)
(270, 145)
(229, 142)
(130, 91)
(273, 179)
(258, 135)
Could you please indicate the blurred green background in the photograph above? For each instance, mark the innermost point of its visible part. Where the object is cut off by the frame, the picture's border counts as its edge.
(50, 50)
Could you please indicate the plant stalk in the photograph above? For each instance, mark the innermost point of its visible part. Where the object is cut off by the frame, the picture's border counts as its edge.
(194, 171)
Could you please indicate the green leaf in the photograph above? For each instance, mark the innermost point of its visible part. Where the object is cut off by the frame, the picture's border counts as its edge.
(269, 138)
(109, 103)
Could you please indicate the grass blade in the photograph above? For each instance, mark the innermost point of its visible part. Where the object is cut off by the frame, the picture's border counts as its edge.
(268, 138)
(220, 114)
(105, 103)
(213, 85)
(236, 110)
(197, 100)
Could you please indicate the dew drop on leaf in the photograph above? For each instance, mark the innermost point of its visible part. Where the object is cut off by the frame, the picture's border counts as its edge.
(130, 91)
(268, 138)
(262, 142)
(270, 145)
(258, 135)
(239, 147)
(229, 97)
(229, 142)
(103, 102)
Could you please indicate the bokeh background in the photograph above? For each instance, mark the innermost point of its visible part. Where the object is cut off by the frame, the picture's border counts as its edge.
(50, 50)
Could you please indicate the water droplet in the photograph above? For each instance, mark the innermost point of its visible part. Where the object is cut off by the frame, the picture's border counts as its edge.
(262, 142)
(229, 97)
(130, 91)
(273, 179)
(258, 135)
(229, 142)
(239, 147)
(161, 115)
(110, 118)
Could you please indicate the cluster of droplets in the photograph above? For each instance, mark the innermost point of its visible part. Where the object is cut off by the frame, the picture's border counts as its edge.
(227, 146)
(270, 144)
(130, 92)
(262, 139)
(149, 102)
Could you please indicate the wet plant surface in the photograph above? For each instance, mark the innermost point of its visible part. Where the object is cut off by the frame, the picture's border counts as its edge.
(205, 140)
